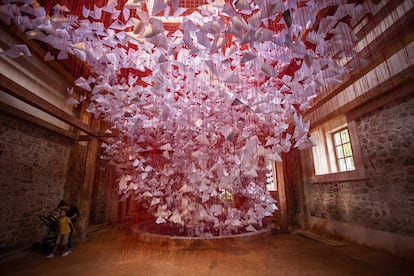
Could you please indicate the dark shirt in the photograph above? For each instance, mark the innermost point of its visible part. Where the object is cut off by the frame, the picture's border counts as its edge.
(73, 210)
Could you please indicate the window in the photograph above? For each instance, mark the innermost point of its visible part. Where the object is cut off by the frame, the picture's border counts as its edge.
(226, 196)
(343, 150)
(337, 156)
(271, 176)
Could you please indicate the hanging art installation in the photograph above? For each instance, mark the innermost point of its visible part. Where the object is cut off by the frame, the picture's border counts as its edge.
(196, 110)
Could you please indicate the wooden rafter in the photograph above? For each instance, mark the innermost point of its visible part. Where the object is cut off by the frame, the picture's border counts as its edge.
(18, 91)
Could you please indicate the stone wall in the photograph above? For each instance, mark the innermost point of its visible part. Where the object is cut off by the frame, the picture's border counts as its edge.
(32, 176)
(385, 199)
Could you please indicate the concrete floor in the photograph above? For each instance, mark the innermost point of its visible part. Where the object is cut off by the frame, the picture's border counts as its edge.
(115, 251)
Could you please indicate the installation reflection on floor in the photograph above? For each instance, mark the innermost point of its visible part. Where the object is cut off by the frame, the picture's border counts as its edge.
(115, 251)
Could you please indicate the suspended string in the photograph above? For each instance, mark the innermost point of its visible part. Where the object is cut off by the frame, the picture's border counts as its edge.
(407, 8)
(189, 90)
(384, 55)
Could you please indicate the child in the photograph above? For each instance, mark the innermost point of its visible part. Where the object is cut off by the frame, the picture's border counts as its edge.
(73, 213)
(64, 228)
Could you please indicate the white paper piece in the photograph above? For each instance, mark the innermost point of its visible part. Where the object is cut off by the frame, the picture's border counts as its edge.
(176, 217)
(133, 4)
(147, 194)
(82, 83)
(251, 228)
(155, 201)
(160, 220)
(72, 101)
(17, 50)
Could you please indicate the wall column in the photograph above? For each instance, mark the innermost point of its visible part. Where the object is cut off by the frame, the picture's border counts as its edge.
(85, 196)
(282, 197)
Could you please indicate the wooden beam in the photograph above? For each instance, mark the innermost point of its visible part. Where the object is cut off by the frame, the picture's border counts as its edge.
(85, 194)
(84, 138)
(20, 92)
(28, 117)
(301, 199)
(397, 93)
(376, 19)
(282, 197)
(35, 49)
(377, 53)
(395, 87)
(57, 66)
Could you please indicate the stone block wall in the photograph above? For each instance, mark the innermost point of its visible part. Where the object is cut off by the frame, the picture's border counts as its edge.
(385, 199)
(32, 177)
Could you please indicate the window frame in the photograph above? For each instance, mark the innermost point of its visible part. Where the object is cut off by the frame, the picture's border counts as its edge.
(358, 173)
(342, 145)
(272, 187)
